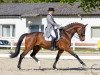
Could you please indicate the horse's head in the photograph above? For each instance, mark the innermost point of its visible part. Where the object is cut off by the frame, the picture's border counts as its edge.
(73, 28)
(81, 32)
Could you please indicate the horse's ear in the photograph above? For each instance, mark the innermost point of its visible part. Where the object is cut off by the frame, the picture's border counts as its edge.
(86, 25)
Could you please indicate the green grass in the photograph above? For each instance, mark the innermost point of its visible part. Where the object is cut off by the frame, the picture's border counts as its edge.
(87, 50)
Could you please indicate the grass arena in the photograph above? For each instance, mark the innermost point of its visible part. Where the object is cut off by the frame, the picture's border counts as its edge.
(66, 65)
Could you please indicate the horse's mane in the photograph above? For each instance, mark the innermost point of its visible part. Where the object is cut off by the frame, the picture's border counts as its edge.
(72, 24)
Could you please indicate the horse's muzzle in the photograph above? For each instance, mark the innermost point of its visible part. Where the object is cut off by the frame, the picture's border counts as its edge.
(82, 39)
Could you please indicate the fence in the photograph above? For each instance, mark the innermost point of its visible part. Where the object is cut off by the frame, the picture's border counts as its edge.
(11, 44)
(74, 45)
(84, 44)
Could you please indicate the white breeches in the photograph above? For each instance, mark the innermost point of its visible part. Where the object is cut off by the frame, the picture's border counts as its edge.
(53, 34)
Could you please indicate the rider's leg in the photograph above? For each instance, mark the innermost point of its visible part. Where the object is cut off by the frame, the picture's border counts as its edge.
(56, 34)
(53, 42)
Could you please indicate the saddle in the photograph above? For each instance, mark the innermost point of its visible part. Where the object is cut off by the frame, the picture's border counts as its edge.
(57, 34)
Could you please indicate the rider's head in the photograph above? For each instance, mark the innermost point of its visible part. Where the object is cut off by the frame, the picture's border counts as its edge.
(51, 10)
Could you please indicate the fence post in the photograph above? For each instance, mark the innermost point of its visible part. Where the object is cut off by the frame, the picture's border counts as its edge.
(73, 45)
(99, 44)
(11, 44)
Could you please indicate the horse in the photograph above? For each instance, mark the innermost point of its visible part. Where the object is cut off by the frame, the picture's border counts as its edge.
(35, 41)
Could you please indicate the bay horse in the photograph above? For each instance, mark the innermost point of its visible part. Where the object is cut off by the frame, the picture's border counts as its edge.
(35, 41)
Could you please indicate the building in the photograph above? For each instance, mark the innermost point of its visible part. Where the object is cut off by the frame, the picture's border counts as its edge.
(16, 19)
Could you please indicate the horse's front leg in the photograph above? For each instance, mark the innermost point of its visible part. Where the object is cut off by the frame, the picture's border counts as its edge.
(57, 57)
(76, 56)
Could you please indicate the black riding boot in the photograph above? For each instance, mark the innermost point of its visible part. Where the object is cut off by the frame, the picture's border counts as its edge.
(53, 43)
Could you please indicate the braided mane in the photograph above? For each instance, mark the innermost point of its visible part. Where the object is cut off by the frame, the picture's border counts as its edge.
(72, 24)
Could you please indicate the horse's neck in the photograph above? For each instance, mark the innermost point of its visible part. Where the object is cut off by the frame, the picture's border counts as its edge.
(71, 32)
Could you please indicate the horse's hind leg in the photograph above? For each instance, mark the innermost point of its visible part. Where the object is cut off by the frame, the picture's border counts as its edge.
(26, 50)
(35, 51)
(20, 59)
(57, 57)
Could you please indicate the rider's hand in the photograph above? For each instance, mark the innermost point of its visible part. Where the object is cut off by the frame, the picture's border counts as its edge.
(60, 26)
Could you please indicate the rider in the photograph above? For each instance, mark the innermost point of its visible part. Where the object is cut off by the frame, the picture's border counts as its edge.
(51, 26)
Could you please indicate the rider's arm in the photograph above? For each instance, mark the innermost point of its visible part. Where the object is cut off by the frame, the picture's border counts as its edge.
(49, 18)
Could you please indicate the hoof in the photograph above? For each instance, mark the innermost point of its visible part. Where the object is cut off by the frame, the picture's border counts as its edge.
(19, 67)
(85, 67)
(39, 64)
(54, 67)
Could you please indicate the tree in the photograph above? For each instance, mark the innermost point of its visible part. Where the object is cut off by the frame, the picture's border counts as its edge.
(1, 1)
(90, 5)
(86, 5)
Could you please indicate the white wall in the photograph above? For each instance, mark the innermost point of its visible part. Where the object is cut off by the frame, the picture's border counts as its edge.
(34, 20)
(20, 25)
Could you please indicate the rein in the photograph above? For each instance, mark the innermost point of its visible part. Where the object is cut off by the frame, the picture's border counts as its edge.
(76, 36)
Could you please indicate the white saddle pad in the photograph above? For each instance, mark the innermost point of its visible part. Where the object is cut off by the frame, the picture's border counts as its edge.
(48, 39)
(54, 35)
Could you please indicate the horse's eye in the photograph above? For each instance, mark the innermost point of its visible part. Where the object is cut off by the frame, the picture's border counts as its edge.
(82, 34)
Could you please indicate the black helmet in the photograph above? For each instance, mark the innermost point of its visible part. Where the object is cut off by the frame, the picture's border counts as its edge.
(51, 9)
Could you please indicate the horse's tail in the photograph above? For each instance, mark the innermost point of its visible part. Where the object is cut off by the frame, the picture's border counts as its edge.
(17, 50)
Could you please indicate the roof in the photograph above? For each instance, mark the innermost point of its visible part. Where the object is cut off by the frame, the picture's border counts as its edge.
(34, 9)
